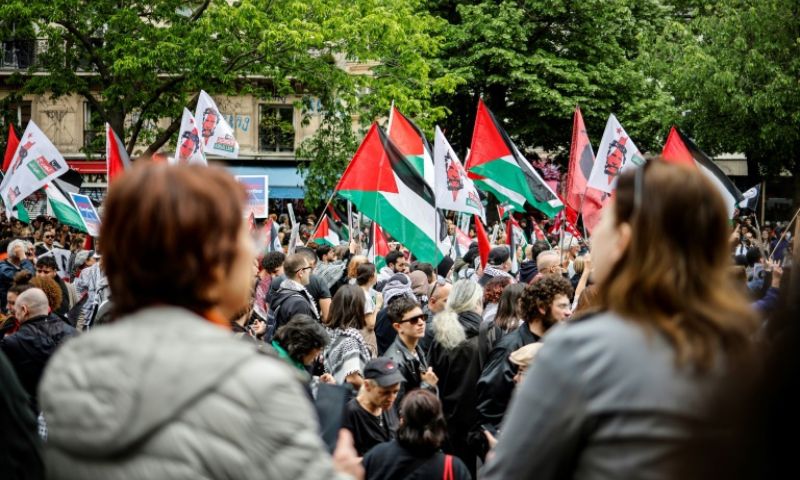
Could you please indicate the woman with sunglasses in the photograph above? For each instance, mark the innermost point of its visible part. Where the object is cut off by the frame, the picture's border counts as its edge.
(454, 357)
(647, 387)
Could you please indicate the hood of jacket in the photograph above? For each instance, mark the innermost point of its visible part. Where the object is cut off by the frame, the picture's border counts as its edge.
(108, 389)
(527, 270)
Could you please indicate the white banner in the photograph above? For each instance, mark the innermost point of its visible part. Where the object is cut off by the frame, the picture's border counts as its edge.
(35, 163)
(190, 148)
(215, 133)
(616, 153)
(454, 190)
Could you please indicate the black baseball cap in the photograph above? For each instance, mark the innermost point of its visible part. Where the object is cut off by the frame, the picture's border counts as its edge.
(498, 255)
(383, 371)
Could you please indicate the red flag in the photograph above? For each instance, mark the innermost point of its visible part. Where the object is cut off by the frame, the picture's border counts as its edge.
(483, 241)
(11, 147)
(117, 159)
(581, 161)
(675, 150)
(538, 234)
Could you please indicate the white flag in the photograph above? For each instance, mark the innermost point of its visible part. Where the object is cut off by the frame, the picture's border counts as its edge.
(215, 133)
(616, 153)
(35, 163)
(454, 190)
(190, 148)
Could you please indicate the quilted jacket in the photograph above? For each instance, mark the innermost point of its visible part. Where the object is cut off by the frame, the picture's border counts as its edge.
(164, 394)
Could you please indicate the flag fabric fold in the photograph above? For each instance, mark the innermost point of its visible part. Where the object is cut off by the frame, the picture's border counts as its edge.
(59, 206)
(215, 133)
(378, 247)
(190, 148)
(326, 233)
(484, 247)
(411, 142)
(117, 159)
(497, 165)
(454, 190)
(11, 147)
(681, 149)
(751, 197)
(385, 187)
(579, 196)
(616, 153)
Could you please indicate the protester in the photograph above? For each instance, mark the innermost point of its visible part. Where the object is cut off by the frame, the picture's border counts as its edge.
(528, 269)
(491, 296)
(271, 266)
(409, 321)
(38, 337)
(673, 344)
(454, 357)
(543, 304)
(13, 264)
(399, 285)
(420, 286)
(47, 267)
(373, 301)
(371, 415)
(20, 446)
(10, 324)
(506, 320)
(133, 399)
(48, 242)
(347, 354)
(395, 263)
(499, 265)
(436, 304)
(93, 285)
(416, 451)
(292, 297)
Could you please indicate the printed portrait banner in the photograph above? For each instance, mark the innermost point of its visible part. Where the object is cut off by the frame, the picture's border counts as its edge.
(35, 163)
(215, 133)
(617, 152)
(190, 146)
(89, 216)
(257, 187)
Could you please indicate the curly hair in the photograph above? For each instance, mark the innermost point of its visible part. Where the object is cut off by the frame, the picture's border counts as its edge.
(540, 295)
(51, 290)
(494, 288)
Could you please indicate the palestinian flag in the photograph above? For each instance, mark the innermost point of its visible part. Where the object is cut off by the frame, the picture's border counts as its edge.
(568, 217)
(537, 231)
(680, 149)
(326, 233)
(339, 218)
(271, 238)
(411, 142)
(378, 247)
(462, 243)
(385, 187)
(504, 209)
(497, 165)
(11, 147)
(515, 237)
(117, 159)
(59, 206)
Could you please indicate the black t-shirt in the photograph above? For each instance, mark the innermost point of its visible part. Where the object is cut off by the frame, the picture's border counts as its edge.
(392, 461)
(369, 430)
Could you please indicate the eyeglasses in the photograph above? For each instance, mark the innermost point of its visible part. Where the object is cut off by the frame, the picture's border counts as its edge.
(305, 268)
(414, 319)
(48, 236)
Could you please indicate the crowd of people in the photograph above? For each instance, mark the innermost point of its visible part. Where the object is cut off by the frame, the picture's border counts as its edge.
(182, 352)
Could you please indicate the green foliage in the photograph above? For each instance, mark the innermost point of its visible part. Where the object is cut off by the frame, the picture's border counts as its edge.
(143, 60)
(534, 61)
(734, 66)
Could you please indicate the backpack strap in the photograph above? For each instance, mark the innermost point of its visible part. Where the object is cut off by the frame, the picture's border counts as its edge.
(448, 468)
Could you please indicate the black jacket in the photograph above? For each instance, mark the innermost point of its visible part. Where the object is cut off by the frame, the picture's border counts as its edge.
(497, 379)
(287, 303)
(411, 367)
(384, 332)
(20, 445)
(527, 270)
(31, 347)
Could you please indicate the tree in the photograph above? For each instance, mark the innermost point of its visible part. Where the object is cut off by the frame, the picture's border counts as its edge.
(139, 61)
(533, 61)
(733, 67)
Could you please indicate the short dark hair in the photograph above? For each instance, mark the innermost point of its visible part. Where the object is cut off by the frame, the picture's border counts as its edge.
(541, 293)
(400, 307)
(48, 261)
(301, 335)
(423, 427)
(309, 253)
(190, 220)
(364, 273)
(293, 264)
(538, 247)
(323, 250)
(426, 268)
(347, 308)
(391, 257)
(272, 261)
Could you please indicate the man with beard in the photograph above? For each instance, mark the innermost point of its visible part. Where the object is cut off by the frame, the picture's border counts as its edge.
(543, 304)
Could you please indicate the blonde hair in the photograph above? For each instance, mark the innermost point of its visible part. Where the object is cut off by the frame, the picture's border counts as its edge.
(466, 296)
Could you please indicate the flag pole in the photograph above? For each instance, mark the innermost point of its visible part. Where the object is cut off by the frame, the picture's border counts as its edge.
(324, 209)
(391, 115)
(763, 199)
(785, 230)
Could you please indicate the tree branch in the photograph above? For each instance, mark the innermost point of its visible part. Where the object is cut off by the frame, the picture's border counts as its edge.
(90, 49)
(200, 10)
(166, 134)
(164, 88)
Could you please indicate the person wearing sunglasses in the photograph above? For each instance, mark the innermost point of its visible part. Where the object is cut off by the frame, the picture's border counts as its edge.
(408, 320)
(48, 242)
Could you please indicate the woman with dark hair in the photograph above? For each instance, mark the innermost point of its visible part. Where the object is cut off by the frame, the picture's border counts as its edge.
(416, 452)
(300, 341)
(166, 391)
(619, 394)
(506, 320)
(347, 353)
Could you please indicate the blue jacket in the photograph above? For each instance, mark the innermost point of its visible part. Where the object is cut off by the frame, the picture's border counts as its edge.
(7, 272)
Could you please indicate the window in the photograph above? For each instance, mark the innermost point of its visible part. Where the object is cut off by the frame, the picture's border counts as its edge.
(16, 113)
(93, 130)
(17, 54)
(276, 128)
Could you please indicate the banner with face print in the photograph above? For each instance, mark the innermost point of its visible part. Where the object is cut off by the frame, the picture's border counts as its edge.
(215, 133)
(190, 145)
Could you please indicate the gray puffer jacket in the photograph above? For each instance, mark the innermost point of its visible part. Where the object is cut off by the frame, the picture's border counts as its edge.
(163, 394)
